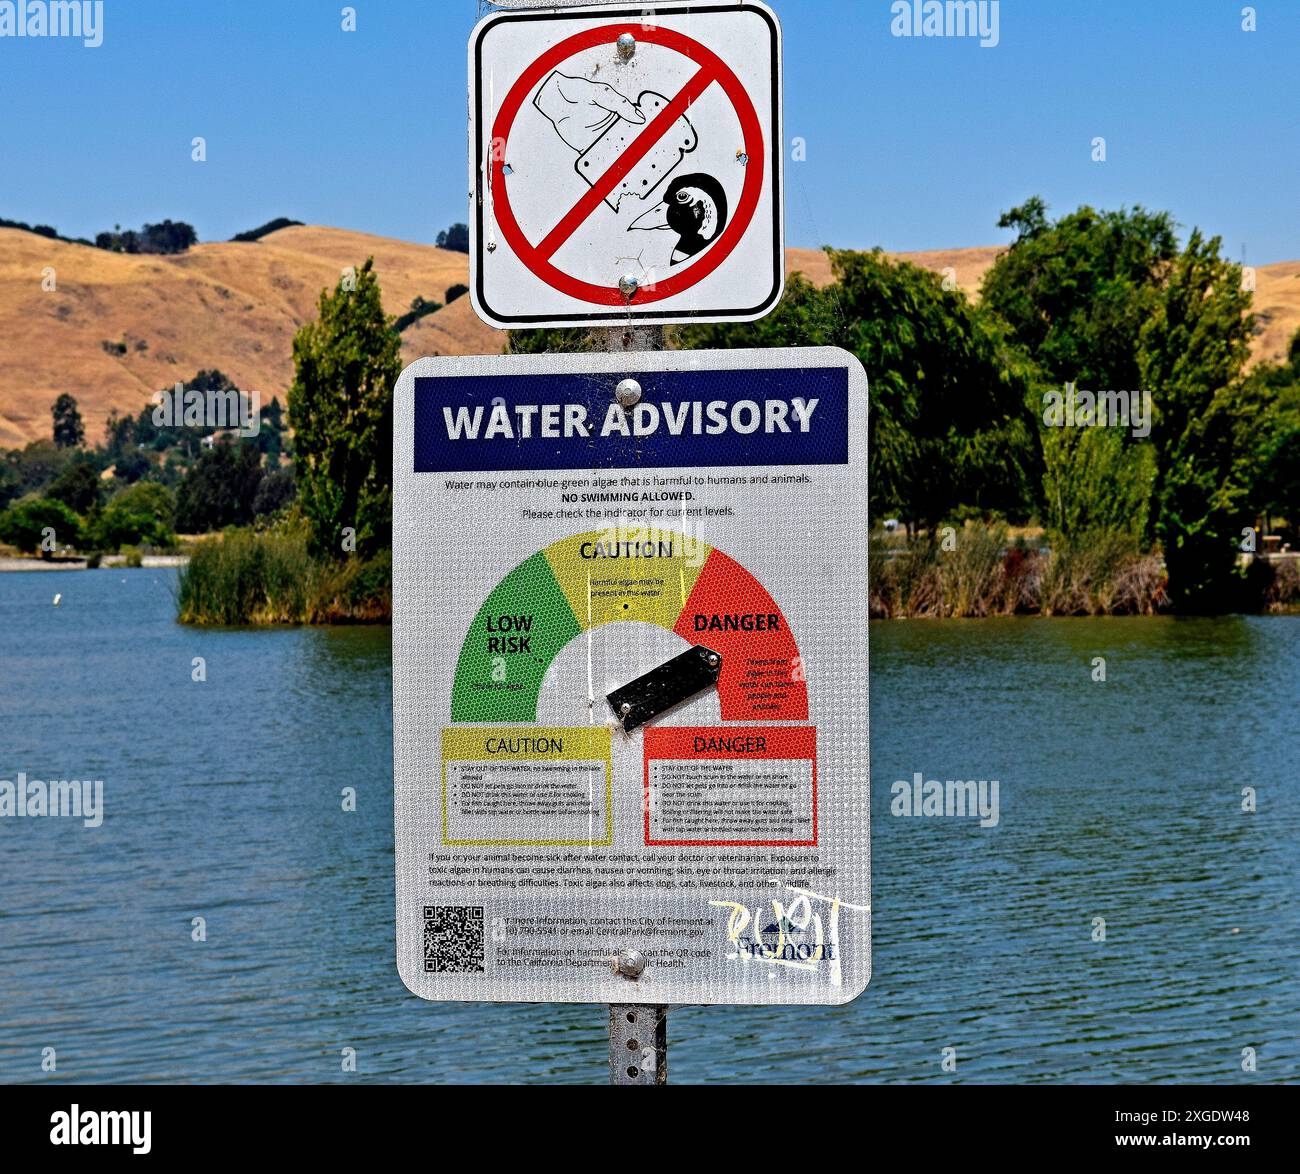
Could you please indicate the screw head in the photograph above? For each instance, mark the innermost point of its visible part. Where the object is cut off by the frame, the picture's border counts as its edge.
(631, 963)
(626, 46)
(628, 285)
(628, 393)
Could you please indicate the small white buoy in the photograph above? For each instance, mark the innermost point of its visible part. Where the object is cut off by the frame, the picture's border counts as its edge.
(58, 599)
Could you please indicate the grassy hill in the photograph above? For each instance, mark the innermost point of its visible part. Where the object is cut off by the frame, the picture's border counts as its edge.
(119, 327)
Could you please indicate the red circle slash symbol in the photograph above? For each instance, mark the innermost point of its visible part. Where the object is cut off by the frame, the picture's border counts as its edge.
(712, 69)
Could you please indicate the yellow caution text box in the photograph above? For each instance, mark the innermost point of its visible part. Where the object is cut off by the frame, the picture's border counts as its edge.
(527, 786)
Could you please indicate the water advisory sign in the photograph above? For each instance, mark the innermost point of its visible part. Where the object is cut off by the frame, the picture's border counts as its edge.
(630, 678)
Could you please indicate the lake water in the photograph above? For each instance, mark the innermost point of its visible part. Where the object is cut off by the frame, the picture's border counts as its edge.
(1120, 800)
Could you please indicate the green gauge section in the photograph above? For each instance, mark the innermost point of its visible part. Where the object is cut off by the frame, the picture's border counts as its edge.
(524, 622)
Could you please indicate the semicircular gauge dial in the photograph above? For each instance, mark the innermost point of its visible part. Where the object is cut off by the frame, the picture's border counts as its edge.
(578, 584)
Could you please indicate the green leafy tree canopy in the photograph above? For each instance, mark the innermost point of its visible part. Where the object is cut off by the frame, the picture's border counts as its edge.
(220, 488)
(950, 422)
(346, 364)
(1076, 293)
(40, 523)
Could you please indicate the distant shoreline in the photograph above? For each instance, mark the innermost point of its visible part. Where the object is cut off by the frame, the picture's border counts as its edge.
(110, 561)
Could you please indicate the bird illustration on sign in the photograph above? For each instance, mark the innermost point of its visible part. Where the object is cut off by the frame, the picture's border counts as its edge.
(598, 122)
(695, 207)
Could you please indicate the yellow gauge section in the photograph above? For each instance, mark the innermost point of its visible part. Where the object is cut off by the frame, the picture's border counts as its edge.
(627, 573)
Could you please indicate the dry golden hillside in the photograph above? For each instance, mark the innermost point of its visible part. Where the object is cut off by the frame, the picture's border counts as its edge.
(1277, 309)
(237, 307)
(232, 306)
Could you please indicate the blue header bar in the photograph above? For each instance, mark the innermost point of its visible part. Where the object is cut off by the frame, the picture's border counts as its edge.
(695, 419)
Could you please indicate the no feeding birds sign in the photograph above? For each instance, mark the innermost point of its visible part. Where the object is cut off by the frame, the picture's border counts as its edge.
(626, 165)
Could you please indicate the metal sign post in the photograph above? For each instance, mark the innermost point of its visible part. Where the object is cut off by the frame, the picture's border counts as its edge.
(638, 1044)
(638, 1033)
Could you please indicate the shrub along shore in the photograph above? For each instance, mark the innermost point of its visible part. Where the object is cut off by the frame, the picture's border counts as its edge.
(979, 571)
(270, 577)
(250, 577)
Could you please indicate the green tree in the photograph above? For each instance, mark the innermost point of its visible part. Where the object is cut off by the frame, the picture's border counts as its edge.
(346, 364)
(69, 431)
(1278, 489)
(141, 513)
(131, 466)
(1192, 356)
(276, 493)
(1076, 293)
(36, 465)
(1094, 482)
(9, 486)
(805, 316)
(40, 523)
(119, 435)
(148, 497)
(220, 488)
(455, 238)
(77, 486)
(256, 234)
(950, 422)
(167, 237)
(419, 309)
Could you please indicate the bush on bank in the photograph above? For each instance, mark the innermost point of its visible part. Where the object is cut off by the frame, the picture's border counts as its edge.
(248, 577)
(978, 570)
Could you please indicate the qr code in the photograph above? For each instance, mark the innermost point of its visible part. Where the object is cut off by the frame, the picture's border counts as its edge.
(453, 939)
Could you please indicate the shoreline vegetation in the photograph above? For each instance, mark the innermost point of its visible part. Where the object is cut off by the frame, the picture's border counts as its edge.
(271, 577)
(985, 572)
(1088, 436)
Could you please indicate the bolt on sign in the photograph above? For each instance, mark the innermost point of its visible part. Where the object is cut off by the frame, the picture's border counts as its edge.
(626, 165)
(630, 677)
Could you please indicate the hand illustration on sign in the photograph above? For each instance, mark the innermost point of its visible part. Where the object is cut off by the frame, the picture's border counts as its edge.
(694, 207)
(581, 110)
(598, 122)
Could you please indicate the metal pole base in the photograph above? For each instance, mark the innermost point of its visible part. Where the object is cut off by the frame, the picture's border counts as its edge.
(638, 1044)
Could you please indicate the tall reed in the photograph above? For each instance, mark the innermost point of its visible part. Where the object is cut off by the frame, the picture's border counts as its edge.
(249, 577)
(977, 571)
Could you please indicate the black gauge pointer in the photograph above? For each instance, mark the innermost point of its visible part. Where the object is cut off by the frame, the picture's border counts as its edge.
(668, 685)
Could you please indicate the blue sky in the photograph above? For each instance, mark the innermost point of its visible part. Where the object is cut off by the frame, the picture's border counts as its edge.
(912, 143)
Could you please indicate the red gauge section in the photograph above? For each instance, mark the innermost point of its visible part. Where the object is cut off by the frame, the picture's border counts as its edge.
(731, 612)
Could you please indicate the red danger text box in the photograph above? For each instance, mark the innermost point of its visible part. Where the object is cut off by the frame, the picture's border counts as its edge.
(731, 786)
